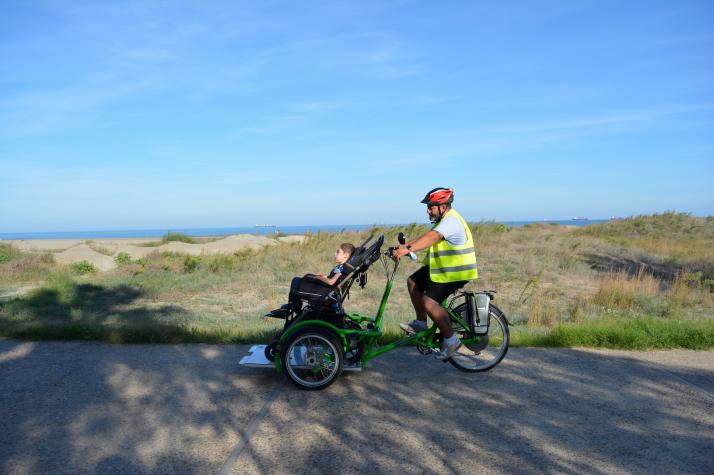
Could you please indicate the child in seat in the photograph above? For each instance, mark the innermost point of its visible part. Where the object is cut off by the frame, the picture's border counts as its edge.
(300, 285)
(314, 282)
(342, 255)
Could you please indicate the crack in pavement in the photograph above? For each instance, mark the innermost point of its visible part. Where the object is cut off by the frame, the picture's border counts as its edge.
(248, 432)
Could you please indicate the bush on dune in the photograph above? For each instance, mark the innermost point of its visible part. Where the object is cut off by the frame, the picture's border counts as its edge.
(17, 266)
(178, 237)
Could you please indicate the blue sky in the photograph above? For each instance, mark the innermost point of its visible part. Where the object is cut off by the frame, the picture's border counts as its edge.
(153, 114)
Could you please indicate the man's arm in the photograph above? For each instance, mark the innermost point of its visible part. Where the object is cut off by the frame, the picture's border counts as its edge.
(425, 241)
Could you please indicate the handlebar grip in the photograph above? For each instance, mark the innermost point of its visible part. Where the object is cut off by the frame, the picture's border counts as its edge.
(412, 256)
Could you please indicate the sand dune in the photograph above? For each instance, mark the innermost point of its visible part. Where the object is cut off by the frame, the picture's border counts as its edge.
(83, 252)
(74, 250)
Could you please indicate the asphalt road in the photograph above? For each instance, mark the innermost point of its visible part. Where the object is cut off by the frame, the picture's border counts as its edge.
(97, 408)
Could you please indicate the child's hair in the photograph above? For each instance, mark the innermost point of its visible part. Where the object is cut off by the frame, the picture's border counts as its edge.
(348, 248)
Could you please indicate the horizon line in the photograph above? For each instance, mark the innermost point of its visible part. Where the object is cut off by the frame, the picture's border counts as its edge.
(288, 226)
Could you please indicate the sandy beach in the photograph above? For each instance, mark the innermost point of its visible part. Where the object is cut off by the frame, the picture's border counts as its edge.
(101, 252)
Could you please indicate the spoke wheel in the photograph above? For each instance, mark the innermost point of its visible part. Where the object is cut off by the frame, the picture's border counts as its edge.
(312, 358)
(489, 350)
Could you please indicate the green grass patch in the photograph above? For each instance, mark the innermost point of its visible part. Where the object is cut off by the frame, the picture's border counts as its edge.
(133, 333)
(83, 267)
(156, 282)
(180, 237)
(17, 266)
(638, 333)
(8, 252)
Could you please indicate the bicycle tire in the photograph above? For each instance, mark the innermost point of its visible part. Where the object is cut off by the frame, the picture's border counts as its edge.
(312, 358)
(484, 358)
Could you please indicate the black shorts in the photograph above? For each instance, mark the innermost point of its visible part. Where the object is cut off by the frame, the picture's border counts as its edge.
(435, 290)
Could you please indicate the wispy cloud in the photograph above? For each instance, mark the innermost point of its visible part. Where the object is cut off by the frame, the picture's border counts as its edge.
(597, 123)
(287, 117)
(65, 108)
(450, 147)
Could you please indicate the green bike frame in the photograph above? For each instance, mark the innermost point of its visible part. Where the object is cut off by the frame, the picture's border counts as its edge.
(367, 338)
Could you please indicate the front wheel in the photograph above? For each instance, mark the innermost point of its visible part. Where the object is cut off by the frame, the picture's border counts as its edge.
(489, 350)
(312, 358)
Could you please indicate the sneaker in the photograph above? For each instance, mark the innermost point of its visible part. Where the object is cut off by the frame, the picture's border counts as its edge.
(414, 327)
(448, 351)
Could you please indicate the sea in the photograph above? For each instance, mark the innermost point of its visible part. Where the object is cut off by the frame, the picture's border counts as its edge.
(258, 229)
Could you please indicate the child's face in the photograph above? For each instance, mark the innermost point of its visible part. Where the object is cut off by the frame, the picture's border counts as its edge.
(341, 256)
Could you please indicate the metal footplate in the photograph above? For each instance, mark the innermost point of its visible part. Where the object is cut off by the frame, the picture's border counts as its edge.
(256, 359)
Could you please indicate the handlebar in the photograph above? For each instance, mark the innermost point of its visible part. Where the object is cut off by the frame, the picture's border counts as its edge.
(402, 241)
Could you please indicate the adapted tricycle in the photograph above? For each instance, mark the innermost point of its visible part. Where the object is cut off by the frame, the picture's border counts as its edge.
(320, 340)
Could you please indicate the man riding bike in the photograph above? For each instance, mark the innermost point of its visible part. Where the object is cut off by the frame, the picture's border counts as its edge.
(449, 265)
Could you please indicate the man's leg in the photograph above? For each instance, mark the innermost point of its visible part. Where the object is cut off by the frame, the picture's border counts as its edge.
(416, 283)
(417, 299)
(439, 315)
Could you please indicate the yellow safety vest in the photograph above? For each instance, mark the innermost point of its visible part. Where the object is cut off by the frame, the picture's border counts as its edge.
(449, 263)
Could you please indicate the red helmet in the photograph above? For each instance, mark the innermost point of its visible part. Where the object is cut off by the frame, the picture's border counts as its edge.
(439, 196)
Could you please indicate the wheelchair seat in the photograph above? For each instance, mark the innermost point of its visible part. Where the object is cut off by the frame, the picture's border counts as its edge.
(327, 299)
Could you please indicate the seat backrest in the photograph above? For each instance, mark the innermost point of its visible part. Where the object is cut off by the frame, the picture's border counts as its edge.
(362, 257)
(358, 264)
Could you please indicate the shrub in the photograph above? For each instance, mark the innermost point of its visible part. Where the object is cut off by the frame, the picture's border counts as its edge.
(689, 290)
(172, 261)
(622, 292)
(178, 237)
(190, 264)
(8, 252)
(122, 259)
(83, 267)
(541, 312)
(17, 266)
(243, 254)
(221, 263)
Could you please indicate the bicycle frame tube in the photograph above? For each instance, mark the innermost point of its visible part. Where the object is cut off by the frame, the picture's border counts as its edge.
(422, 338)
(383, 305)
(406, 341)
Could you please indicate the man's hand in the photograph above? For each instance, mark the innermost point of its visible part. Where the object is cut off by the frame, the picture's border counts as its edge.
(424, 241)
(400, 251)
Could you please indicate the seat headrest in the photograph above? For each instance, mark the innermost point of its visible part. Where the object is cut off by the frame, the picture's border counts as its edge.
(366, 254)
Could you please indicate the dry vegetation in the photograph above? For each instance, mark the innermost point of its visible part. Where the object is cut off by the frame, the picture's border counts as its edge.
(551, 279)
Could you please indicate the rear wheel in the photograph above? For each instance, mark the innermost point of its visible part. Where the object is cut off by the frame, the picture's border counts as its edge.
(488, 350)
(312, 358)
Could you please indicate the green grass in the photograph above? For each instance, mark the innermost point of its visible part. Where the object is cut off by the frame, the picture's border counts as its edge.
(8, 253)
(169, 237)
(23, 267)
(179, 237)
(639, 333)
(674, 239)
(135, 333)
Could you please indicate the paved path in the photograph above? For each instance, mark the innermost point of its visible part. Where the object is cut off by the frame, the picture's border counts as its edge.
(96, 408)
